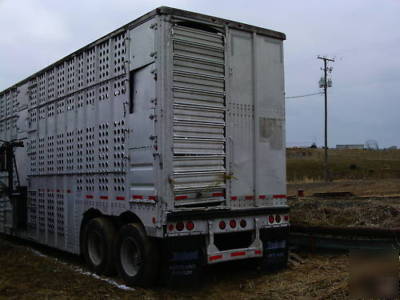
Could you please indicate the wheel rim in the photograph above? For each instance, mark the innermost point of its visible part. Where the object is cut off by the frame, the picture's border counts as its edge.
(95, 248)
(130, 257)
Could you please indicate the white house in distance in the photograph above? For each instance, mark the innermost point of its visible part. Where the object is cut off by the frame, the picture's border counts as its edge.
(349, 146)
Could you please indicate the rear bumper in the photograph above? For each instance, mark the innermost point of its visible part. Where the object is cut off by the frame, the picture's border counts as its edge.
(260, 245)
(267, 244)
(234, 254)
(252, 234)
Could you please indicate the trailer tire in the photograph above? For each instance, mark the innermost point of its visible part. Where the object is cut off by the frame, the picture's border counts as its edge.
(98, 240)
(136, 255)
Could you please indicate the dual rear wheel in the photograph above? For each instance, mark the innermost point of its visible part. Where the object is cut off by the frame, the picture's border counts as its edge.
(129, 251)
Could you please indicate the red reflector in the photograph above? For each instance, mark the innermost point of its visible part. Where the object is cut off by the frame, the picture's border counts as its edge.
(262, 197)
(153, 198)
(215, 257)
(257, 251)
(286, 218)
(234, 198)
(89, 196)
(278, 218)
(271, 219)
(222, 225)
(249, 197)
(239, 253)
(180, 226)
(171, 227)
(182, 197)
(189, 225)
(120, 198)
(137, 197)
(243, 223)
(279, 196)
(154, 220)
(217, 194)
(103, 197)
(232, 223)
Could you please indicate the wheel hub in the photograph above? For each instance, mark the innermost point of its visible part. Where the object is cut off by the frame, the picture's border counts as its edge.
(130, 257)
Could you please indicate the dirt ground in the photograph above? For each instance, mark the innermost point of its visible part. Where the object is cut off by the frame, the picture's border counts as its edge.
(26, 275)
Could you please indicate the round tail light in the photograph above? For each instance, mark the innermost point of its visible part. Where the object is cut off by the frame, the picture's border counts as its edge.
(171, 227)
(232, 223)
(189, 225)
(180, 226)
(278, 218)
(222, 225)
(243, 223)
(271, 219)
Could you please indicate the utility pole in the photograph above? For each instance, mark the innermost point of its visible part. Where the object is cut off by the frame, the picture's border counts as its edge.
(325, 83)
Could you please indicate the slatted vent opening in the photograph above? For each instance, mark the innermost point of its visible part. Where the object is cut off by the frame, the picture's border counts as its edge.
(199, 116)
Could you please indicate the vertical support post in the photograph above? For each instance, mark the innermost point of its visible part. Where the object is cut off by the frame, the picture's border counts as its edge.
(228, 138)
(255, 116)
(326, 169)
(10, 168)
(326, 172)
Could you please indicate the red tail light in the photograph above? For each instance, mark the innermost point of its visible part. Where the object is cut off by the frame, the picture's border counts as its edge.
(232, 223)
(271, 219)
(222, 225)
(286, 218)
(180, 226)
(243, 223)
(171, 227)
(189, 225)
(278, 218)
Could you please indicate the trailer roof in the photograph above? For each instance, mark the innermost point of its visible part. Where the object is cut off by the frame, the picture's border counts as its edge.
(219, 21)
(162, 10)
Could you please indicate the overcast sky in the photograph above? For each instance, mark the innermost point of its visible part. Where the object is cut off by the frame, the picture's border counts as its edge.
(362, 35)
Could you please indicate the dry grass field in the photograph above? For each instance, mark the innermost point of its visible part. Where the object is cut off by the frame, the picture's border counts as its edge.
(306, 165)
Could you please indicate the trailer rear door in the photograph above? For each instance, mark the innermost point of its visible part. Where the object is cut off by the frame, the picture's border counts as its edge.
(198, 116)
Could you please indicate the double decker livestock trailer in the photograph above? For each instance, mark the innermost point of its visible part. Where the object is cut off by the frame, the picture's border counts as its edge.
(157, 149)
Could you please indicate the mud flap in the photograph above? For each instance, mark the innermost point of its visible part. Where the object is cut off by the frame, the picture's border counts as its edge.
(183, 261)
(275, 248)
(275, 255)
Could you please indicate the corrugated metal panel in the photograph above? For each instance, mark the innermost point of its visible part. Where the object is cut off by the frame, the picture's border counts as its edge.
(256, 120)
(199, 116)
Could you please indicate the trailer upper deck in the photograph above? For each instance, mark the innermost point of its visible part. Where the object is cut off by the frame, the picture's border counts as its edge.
(162, 10)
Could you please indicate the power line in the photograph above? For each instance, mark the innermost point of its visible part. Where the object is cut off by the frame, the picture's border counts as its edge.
(306, 95)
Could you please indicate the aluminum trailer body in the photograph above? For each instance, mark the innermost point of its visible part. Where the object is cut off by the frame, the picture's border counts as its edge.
(174, 123)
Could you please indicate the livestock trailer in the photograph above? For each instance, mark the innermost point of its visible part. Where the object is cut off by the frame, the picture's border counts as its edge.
(157, 149)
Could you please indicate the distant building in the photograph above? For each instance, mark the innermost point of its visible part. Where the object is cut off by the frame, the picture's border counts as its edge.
(354, 146)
